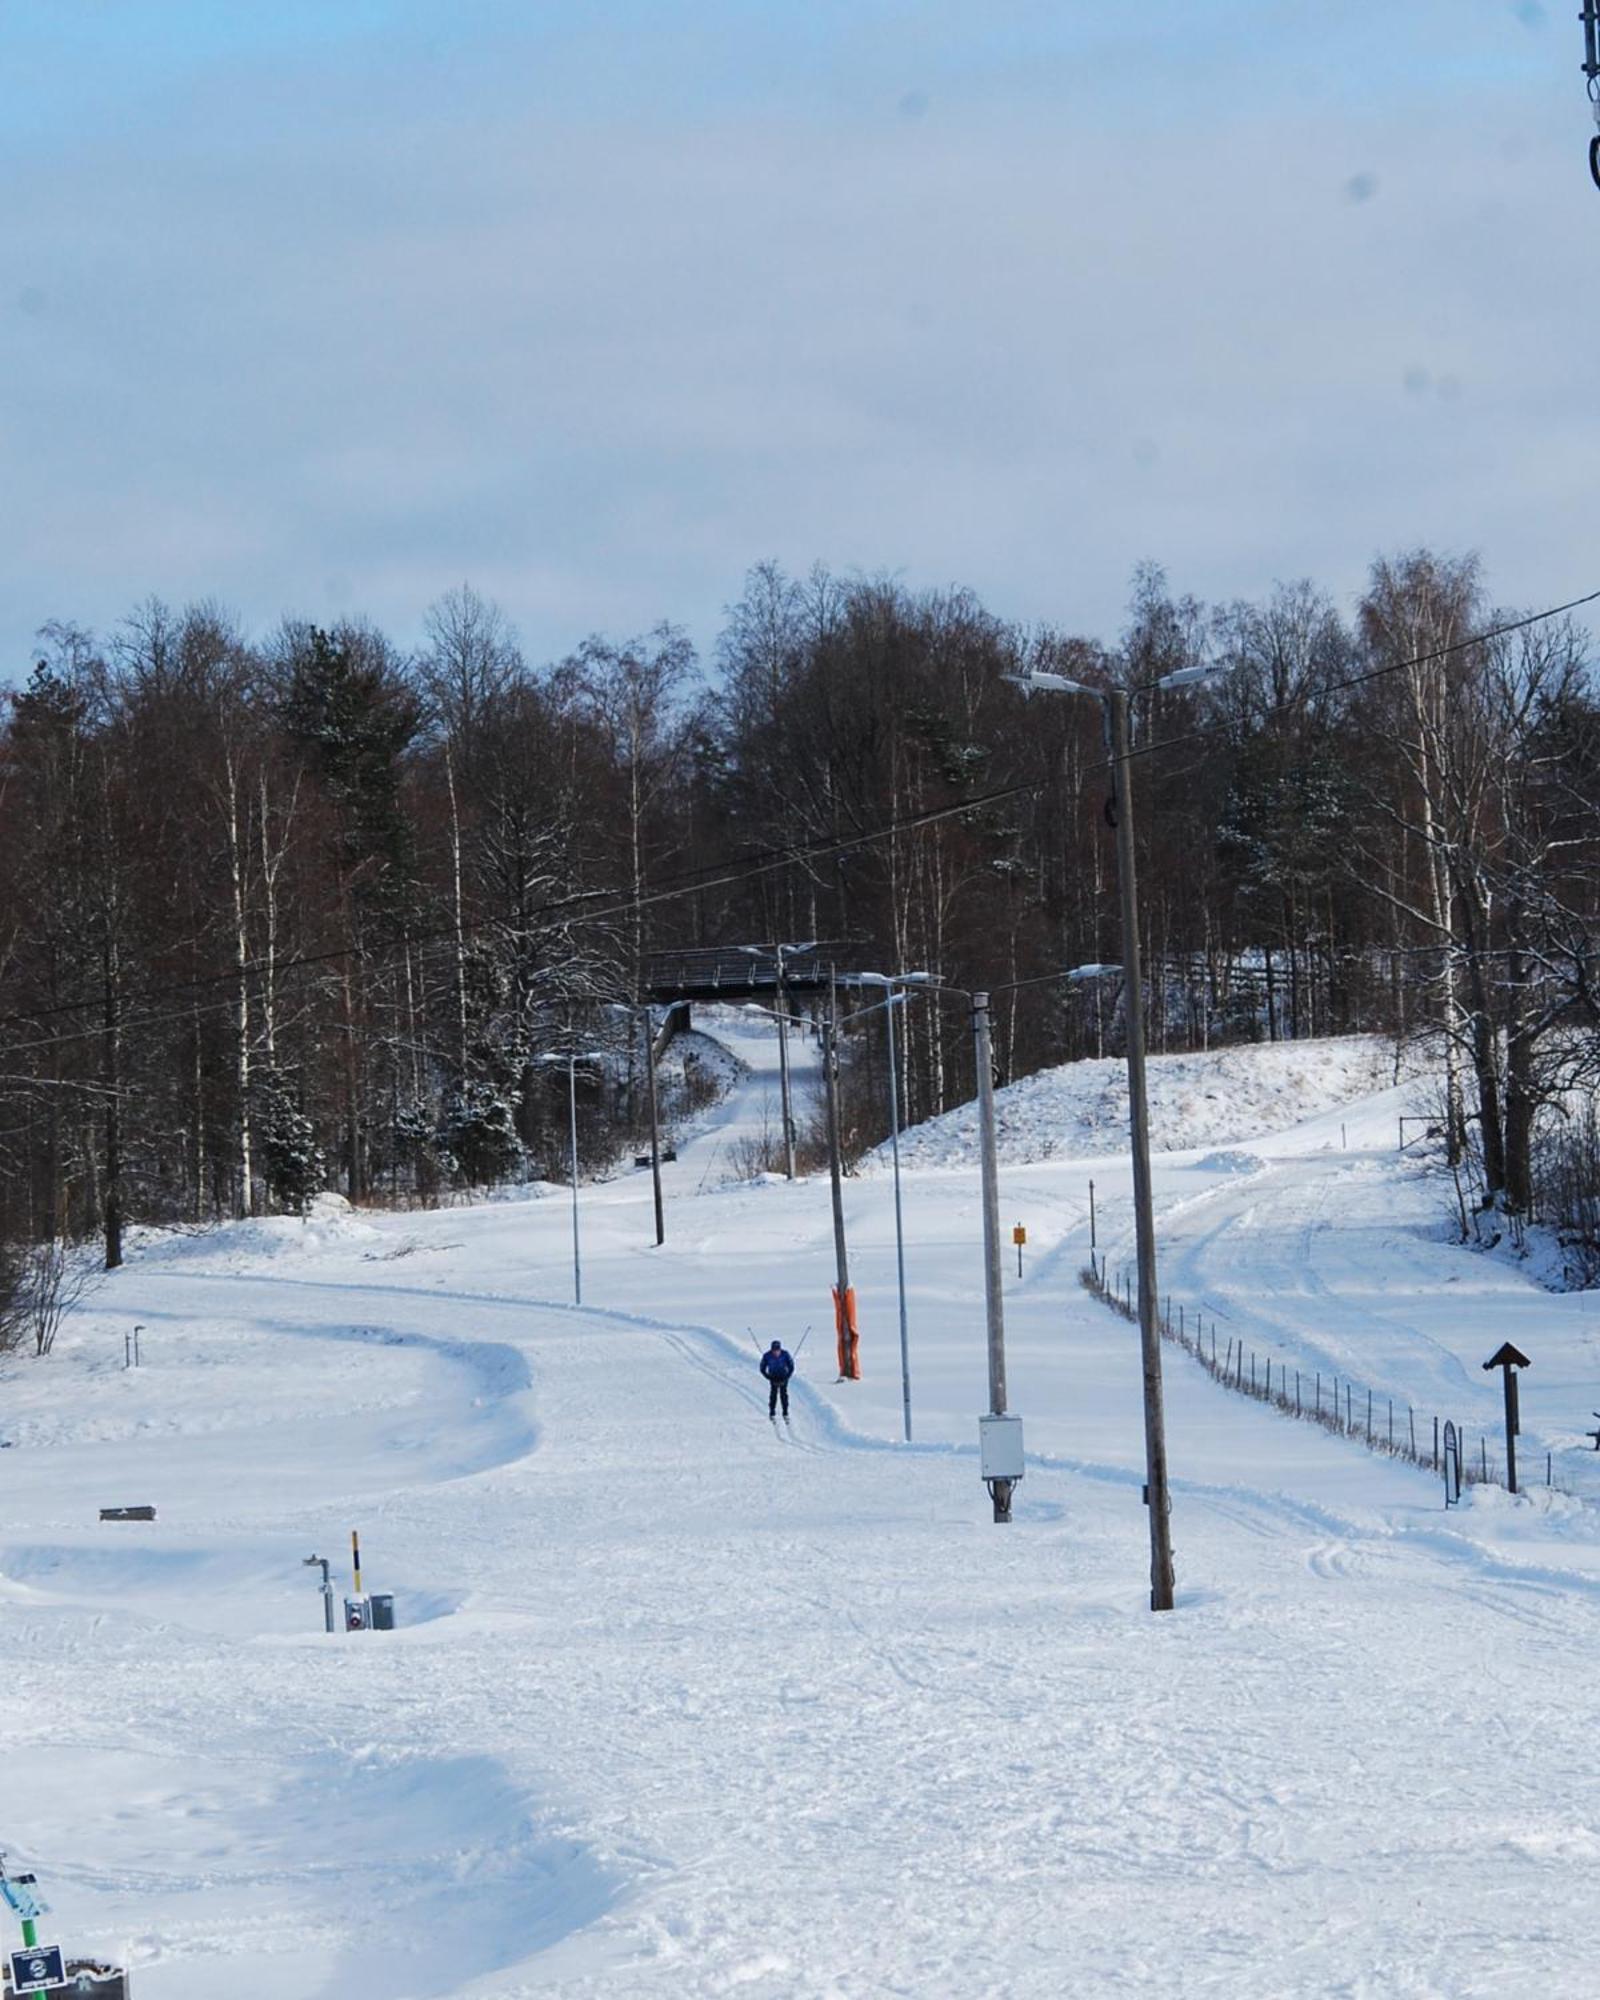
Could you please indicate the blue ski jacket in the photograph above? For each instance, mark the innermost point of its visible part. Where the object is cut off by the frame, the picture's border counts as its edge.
(777, 1367)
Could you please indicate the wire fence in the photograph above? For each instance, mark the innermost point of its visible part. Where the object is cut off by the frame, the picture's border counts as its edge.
(1336, 1403)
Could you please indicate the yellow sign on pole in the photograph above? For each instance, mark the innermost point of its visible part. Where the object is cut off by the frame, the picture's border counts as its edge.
(1019, 1235)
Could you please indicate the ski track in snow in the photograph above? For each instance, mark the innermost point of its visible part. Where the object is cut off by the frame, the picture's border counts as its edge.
(681, 1708)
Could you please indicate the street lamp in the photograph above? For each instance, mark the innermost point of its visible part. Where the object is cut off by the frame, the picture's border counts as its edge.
(778, 952)
(895, 986)
(642, 1015)
(572, 1058)
(999, 1434)
(1114, 705)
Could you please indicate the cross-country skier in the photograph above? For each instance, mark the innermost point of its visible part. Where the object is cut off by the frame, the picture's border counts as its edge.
(777, 1364)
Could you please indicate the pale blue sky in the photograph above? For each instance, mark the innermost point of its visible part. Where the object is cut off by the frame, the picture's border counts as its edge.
(322, 308)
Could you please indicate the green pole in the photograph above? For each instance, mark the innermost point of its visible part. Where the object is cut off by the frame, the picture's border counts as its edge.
(30, 1937)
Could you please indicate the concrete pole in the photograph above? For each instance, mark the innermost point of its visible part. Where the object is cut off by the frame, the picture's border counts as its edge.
(993, 1290)
(572, 1113)
(899, 1225)
(1157, 1497)
(655, 1124)
(783, 1070)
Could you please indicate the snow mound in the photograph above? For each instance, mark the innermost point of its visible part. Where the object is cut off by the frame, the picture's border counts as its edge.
(329, 1223)
(1216, 1097)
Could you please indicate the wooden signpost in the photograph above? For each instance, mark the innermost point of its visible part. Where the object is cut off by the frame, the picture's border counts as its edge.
(1510, 1359)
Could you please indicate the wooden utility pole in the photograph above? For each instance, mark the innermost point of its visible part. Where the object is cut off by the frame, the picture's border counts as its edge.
(783, 1068)
(655, 1120)
(1157, 1498)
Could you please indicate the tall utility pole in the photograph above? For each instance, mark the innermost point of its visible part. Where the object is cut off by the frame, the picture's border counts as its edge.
(889, 1000)
(1157, 1498)
(779, 954)
(572, 1112)
(783, 1070)
(843, 1302)
(993, 1295)
(655, 1120)
(1114, 705)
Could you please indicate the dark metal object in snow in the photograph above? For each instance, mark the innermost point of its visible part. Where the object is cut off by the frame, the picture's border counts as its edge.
(1451, 1459)
(127, 1513)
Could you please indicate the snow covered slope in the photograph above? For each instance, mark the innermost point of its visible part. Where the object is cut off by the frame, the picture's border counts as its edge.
(1206, 1099)
(680, 1706)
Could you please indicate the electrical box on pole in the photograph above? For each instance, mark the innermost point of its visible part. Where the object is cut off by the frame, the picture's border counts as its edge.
(1000, 1453)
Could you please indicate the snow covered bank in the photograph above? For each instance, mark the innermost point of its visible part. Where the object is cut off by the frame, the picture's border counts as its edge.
(1212, 1098)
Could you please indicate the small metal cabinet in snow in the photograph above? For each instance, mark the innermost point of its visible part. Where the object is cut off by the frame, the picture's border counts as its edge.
(357, 1614)
(1000, 1447)
(382, 1603)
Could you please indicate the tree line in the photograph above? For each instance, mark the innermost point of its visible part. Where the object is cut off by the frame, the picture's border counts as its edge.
(311, 910)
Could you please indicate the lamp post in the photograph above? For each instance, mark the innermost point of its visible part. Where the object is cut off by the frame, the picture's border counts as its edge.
(572, 1059)
(844, 1302)
(1114, 706)
(641, 1015)
(779, 952)
(655, 1121)
(1000, 1436)
(894, 988)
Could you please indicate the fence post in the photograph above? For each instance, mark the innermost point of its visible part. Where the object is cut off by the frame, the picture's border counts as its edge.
(1483, 1458)
(1436, 1443)
(1391, 1423)
(1319, 1395)
(1349, 1421)
(1297, 1392)
(1411, 1413)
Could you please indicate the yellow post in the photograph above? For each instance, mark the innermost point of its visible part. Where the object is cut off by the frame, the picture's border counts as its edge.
(355, 1558)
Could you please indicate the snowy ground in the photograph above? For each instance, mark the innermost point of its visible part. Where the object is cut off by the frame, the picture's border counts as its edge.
(681, 1707)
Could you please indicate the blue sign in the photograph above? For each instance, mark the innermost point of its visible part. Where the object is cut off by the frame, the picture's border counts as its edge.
(36, 1968)
(22, 1893)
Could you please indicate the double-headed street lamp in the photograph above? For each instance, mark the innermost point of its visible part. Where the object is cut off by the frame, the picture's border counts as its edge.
(1114, 704)
(572, 1058)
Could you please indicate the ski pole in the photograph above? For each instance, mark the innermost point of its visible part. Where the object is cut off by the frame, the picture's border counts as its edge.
(803, 1339)
(753, 1341)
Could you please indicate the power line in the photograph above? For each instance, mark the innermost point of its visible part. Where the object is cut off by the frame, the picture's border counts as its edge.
(1371, 674)
(697, 881)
